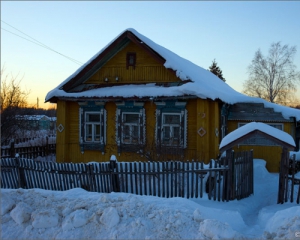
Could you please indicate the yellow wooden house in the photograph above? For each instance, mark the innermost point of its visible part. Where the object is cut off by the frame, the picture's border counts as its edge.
(141, 102)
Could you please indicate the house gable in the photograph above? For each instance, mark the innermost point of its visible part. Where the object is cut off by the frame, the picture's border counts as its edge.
(110, 67)
(147, 69)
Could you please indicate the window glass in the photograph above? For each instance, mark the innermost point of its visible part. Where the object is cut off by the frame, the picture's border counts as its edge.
(176, 132)
(131, 118)
(89, 132)
(166, 133)
(172, 119)
(131, 59)
(126, 133)
(97, 132)
(93, 117)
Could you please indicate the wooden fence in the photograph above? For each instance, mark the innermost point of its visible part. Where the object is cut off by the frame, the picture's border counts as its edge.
(221, 180)
(289, 185)
(28, 152)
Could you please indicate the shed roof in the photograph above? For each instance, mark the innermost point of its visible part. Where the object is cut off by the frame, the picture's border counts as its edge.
(256, 128)
(255, 112)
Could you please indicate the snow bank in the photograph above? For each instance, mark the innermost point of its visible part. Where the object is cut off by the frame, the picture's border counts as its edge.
(78, 214)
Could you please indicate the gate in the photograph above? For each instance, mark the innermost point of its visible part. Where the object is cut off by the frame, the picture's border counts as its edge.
(289, 185)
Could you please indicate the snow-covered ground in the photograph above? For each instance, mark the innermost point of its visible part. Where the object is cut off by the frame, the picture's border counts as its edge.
(77, 214)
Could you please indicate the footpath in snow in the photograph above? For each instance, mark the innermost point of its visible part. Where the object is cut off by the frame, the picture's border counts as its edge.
(78, 214)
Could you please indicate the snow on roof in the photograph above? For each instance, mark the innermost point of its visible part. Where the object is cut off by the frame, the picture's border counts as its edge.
(32, 117)
(204, 84)
(297, 155)
(250, 127)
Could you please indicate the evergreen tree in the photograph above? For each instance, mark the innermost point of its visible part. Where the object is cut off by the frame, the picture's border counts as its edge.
(216, 70)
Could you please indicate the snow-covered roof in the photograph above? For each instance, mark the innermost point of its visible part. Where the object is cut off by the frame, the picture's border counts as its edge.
(32, 117)
(203, 84)
(297, 155)
(262, 127)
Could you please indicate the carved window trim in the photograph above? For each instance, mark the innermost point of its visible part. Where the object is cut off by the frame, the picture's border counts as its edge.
(124, 108)
(85, 110)
(171, 108)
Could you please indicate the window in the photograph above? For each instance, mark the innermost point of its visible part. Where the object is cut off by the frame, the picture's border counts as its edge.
(171, 129)
(130, 60)
(171, 125)
(130, 126)
(131, 130)
(92, 126)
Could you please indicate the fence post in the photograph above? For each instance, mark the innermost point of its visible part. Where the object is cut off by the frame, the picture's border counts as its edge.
(293, 176)
(21, 175)
(113, 175)
(47, 146)
(12, 148)
(283, 174)
(231, 174)
(252, 173)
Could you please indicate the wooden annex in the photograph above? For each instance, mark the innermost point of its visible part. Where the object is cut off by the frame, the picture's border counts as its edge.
(263, 148)
(141, 102)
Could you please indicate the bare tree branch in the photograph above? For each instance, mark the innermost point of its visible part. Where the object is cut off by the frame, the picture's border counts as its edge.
(273, 77)
(13, 100)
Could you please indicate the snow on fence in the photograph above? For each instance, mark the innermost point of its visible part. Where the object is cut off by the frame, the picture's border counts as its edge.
(30, 150)
(219, 180)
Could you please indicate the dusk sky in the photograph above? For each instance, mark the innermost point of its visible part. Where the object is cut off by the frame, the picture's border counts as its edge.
(230, 32)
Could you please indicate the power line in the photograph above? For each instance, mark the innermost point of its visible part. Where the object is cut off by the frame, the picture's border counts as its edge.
(38, 43)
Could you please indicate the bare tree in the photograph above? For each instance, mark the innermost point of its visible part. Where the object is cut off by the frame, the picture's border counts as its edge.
(273, 77)
(13, 100)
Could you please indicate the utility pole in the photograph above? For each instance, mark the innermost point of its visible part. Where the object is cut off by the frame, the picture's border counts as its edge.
(37, 103)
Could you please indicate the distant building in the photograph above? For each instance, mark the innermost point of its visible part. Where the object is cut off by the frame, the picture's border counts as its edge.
(36, 122)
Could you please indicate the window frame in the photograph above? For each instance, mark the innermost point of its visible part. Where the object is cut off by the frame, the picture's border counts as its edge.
(86, 123)
(171, 108)
(130, 107)
(128, 56)
(85, 109)
(130, 127)
(171, 126)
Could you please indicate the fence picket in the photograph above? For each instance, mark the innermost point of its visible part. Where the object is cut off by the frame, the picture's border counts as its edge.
(167, 176)
(153, 176)
(188, 181)
(201, 180)
(158, 170)
(149, 178)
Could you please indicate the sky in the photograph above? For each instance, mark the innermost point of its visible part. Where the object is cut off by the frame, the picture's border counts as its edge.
(230, 32)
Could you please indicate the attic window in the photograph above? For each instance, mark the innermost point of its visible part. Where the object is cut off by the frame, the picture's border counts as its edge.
(130, 60)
